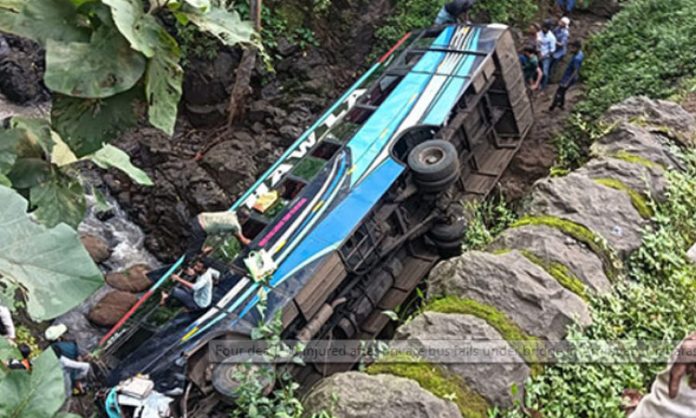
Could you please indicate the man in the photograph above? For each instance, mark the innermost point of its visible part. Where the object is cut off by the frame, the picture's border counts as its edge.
(566, 6)
(454, 11)
(198, 295)
(672, 395)
(7, 328)
(547, 46)
(25, 362)
(75, 370)
(530, 67)
(216, 223)
(562, 34)
(570, 76)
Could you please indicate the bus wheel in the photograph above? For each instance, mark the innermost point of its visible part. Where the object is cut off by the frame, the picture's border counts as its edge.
(445, 233)
(226, 377)
(434, 163)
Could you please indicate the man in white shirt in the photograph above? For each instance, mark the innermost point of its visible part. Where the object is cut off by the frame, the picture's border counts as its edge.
(198, 295)
(673, 394)
(7, 328)
(547, 46)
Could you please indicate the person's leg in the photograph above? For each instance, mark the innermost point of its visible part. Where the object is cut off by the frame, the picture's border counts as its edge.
(185, 297)
(198, 237)
(561, 101)
(78, 370)
(570, 5)
(558, 98)
(545, 67)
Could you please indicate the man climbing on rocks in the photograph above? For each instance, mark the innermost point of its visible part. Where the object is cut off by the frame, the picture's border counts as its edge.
(7, 328)
(570, 76)
(216, 223)
(530, 67)
(454, 11)
(75, 369)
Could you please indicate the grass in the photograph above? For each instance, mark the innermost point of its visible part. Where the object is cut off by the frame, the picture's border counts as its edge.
(525, 345)
(433, 379)
(610, 260)
(638, 200)
(561, 273)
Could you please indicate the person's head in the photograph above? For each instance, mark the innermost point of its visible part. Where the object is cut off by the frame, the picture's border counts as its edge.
(564, 22)
(457, 8)
(199, 267)
(575, 46)
(547, 26)
(55, 332)
(533, 29)
(25, 350)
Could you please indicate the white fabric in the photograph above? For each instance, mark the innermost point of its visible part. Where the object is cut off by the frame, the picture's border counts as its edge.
(547, 43)
(55, 331)
(203, 288)
(6, 319)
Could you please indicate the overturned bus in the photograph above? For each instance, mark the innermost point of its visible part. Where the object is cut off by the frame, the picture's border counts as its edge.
(356, 212)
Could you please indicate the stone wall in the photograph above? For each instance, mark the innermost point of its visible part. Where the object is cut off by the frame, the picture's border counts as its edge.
(534, 280)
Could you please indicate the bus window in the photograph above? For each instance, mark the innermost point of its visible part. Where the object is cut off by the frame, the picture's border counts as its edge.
(308, 167)
(326, 150)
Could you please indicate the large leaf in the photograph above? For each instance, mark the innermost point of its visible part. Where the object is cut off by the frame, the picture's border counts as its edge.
(60, 199)
(29, 172)
(110, 156)
(61, 155)
(163, 84)
(9, 138)
(138, 27)
(41, 20)
(5, 181)
(32, 395)
(36, 139)
(224, 25)
(200, 5)
(102, 68)
(50, 264)
(85, 125)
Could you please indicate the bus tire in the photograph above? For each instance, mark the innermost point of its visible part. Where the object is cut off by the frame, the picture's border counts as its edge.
(443, 232)
(433, 161)
(437, 186)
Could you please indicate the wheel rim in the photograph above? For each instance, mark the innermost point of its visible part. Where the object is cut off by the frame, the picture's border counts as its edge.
(431, 156)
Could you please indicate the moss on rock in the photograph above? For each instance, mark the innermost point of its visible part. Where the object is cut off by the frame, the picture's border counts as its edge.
(435, 380)
(635, 159)
(639, 201)
(613, 266)
(560, 272)
(526, 346)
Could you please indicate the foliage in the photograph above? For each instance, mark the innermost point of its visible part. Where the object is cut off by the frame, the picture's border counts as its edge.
(433, 379)
(50, 265)
(627, 60)
(37, 394)
(39, 164)
(24, 336)
(408, 15)
(526, 345)
(486, 221)
(658, 304)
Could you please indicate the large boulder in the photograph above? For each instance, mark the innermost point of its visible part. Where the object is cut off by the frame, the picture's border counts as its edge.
(605, 211)
(633, 140)
(657, 114)
(523, 291)
(97, 247)
(358, 395)
(434, 333)
(648, 180)
(552, 245)
(133, 280)
(109, 309)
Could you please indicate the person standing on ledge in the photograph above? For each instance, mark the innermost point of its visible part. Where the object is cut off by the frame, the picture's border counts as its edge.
(454, 12)
(216, 223)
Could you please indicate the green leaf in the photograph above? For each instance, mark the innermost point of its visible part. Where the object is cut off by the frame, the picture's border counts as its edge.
(110, 156)
(41, 20)
(225, 25)
(9, 138)
(37, 394)
(85, 125)
(50, 264)
(62, 154)
(102, 68)
(60, 199)
(163, 84)
(29, 172)
(201, 5)
(7, 350)
(139, 28)
(36, 139)
(4, 181)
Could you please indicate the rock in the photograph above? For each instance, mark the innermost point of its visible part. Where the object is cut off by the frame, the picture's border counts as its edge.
(134, 280)
(605, 211)
(363, 396)
(643, 179)
(21, 71)
(692, 254)
(431, 331)
(231, 166)
(658, 114)
(96, 246)
(552, 245)
(111, 308)
(526, 293)
(604, 8)
(633, 140)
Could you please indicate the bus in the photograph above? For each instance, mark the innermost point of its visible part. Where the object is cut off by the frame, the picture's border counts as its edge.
(355, 213)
